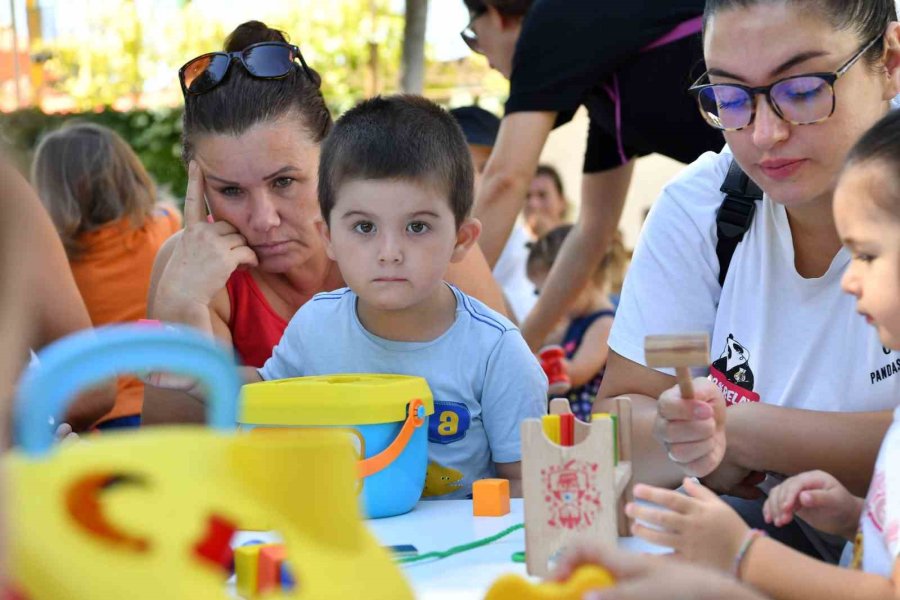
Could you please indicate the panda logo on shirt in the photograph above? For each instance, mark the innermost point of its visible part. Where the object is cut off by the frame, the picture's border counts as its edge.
(734, 364)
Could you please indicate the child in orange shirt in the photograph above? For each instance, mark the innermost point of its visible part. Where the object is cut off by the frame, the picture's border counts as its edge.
(105, 208)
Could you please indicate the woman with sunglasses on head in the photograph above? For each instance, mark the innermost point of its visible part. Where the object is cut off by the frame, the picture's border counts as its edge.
(793, 84)
(628, 64)
(250, 254)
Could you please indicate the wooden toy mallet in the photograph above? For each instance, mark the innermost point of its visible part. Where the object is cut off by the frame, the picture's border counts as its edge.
(680, 352)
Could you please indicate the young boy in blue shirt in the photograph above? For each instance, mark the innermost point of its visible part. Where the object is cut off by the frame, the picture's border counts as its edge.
(395, 191)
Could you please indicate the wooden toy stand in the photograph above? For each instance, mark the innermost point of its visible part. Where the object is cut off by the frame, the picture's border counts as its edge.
(575, 492)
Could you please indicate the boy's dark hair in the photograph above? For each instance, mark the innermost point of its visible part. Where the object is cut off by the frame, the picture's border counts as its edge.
(867, 18)
(397, 137)
(513, 8)
(242, 101)
(881, 144)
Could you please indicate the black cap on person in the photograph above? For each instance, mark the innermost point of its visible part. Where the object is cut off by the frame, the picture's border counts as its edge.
(478, 125)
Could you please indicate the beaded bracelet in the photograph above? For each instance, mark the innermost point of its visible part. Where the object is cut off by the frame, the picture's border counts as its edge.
(749, 538)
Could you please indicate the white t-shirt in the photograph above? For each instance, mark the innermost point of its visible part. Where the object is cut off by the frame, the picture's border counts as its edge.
(775, 337)
(482, 375)
(511, 273)
(880, 520)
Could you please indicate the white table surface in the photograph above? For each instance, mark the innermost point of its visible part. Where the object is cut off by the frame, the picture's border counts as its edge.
(442, 524)
(439, 525)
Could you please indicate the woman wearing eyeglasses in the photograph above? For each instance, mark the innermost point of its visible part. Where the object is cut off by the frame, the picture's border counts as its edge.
(250, 254)
(793, 84)
(628, 63)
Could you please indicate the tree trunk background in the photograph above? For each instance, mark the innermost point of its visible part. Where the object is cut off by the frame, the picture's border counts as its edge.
(412, 77)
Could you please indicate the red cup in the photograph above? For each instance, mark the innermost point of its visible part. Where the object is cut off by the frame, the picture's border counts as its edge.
(552, 361)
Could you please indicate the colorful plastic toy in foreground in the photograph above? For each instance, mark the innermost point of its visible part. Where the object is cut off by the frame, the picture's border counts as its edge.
(584, 579)
(386, 417)
(149, 515)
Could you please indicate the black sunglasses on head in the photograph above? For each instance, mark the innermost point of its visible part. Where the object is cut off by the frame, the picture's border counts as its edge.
(265, 60)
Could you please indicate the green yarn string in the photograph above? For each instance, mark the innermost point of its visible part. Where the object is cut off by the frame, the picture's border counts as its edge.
(463, 547)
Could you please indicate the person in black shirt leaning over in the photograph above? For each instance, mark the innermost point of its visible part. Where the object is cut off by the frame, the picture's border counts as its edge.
(629, 64)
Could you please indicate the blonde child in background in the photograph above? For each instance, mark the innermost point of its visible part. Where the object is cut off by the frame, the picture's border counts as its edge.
(584, 335)
(701, 527)
(106, 210)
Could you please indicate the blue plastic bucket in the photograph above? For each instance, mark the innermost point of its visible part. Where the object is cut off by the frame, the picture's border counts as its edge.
(386, 416)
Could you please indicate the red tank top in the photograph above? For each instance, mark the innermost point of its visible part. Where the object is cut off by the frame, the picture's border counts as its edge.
(255, 326)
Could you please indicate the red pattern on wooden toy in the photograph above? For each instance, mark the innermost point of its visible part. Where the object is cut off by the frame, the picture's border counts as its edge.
(571, 494)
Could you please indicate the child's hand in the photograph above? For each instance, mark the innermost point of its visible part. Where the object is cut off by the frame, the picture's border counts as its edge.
(699, 526)
(645, 577)
(817, 498)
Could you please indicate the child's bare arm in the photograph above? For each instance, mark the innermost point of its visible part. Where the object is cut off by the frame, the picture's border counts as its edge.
(513, 473)
(591, 354)
(701, 528)
(785, 574)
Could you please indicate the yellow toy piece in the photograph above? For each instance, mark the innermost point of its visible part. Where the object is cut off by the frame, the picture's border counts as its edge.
(152, 504)
(151, 514)
(246, 568)
(586, 578)
(441, 480)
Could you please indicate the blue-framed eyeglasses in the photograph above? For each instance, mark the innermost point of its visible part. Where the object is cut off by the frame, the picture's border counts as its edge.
(800, 99)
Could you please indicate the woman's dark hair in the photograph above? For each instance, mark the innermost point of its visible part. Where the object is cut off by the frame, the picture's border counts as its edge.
(881, 145)
(514, 8)
(242, 101)
(866, 18)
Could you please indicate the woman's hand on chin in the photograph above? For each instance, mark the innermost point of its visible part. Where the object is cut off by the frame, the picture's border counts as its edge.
(206, 254)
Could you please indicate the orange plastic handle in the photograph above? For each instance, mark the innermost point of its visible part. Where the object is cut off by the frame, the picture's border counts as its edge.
(383, 459)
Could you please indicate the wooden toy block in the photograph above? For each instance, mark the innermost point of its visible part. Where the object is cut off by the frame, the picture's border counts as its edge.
(560, 406)
(246, 568)
(490, 497)
(550, 425)
(615, 421)
(268, 576)
(567, 429)
(680, 352)
(577, 492)
(287, 577)
(621, 419)
(215, 547)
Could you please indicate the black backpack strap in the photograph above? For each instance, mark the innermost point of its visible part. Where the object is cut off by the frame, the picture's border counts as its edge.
(735, 214)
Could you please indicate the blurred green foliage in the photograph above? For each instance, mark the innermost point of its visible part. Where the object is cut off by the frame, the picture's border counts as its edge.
(154, 134)
(132, 50)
